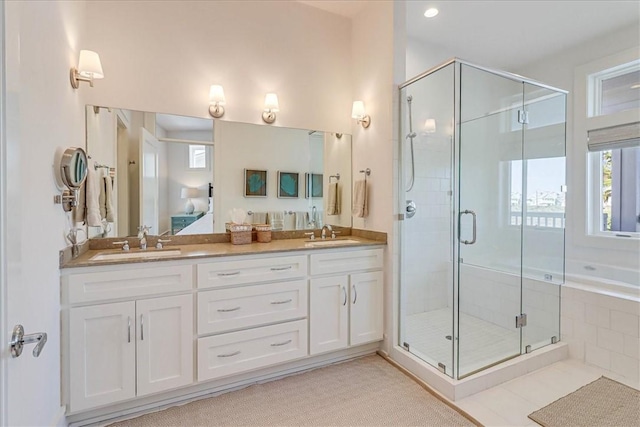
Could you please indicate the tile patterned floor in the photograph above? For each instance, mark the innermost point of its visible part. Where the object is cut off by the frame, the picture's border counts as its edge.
(510, 403)
(482, 343)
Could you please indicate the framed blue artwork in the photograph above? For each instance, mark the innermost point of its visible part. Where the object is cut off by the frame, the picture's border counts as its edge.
(255, 183)
(313, 185)
(288, 185)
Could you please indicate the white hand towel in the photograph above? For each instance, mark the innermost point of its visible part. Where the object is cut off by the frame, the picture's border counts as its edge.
(290, 221)
(360, 208)
(333, 203)
(258, 218)
(276, 220)
(80, 211)
(110, 214)
(92, 198)
(302, 220)
(102, 197)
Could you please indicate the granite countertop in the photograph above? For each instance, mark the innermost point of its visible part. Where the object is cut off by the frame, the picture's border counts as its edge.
(209, 250)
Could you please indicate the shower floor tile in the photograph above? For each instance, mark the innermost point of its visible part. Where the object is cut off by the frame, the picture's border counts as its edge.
(482, 343)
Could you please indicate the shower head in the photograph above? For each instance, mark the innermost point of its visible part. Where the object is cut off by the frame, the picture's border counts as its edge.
(409, 98)
(411, 135)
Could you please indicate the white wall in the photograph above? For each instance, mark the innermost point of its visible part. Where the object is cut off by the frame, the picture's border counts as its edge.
(163, 56)
(44, 115)
(558, 70)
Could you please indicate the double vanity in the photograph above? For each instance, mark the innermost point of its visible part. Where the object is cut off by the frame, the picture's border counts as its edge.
(149, 328)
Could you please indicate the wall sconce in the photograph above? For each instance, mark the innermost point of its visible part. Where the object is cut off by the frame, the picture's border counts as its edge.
(89, 69)
(189, 193)
(357, 112)
(216, 101)
(270, 108)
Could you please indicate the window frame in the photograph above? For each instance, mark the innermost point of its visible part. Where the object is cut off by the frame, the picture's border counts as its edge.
(584, 207)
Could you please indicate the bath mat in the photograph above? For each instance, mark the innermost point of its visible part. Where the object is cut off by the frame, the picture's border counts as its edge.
(602, 403)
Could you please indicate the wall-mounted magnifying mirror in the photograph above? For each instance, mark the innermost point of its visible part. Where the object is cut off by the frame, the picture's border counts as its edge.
(73, 171)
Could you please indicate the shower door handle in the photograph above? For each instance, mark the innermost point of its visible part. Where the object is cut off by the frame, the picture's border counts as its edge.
(473, 237)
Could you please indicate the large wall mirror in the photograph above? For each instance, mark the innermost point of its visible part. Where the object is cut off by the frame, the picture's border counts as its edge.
(183, 175)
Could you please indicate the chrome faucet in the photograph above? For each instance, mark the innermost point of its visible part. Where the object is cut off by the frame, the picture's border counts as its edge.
(324, 231)
(143, 231)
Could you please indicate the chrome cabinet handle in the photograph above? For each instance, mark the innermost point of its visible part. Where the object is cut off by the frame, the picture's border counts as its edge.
(280, 344)
(344, 291)
(355, 293)
(282, 302)
(473, 237)
(129, 329)
(227, 310)
(142, 327)
(280, 268)
(235, 353)
(19, 339)
(235, 273)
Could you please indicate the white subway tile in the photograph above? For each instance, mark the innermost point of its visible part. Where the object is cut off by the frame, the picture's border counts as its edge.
(624, 365)
(598, 356)
(611, 340)
(632, 346)
(626, 323)
(597, 315)
(573, 308)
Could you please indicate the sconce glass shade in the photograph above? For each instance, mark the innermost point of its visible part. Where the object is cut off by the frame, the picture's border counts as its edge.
(216, 95)
(357, 112)
(430, 126)
(216, 101)
(89, 69)
(271, 102)
(89, 65)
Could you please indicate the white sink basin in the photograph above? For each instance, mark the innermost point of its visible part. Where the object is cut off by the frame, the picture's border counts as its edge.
(330, 242)
(149, 253)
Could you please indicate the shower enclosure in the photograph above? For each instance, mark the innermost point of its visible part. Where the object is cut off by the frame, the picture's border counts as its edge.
(482, 237)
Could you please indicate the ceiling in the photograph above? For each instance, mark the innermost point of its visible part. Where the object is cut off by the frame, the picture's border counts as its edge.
(506, 34)
(173, 123)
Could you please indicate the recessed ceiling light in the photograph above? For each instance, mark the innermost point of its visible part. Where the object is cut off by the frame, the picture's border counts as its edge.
(636, 86)
(431, 12)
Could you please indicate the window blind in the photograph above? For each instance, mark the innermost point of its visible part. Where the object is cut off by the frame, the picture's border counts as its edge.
(621, 136)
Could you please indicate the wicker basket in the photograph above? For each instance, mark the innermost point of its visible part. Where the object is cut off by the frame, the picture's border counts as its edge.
(240, 234)
(264, 233)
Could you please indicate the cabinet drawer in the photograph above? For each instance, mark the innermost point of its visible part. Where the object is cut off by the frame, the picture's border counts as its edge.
(88, 287)
(222, 310)
(345, 262)
(228, 354)
(229, 273)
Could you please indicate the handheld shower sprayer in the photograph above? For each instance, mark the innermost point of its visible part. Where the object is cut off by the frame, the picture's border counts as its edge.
(410, 137)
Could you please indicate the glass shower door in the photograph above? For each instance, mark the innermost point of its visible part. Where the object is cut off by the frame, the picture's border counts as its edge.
(489, 220)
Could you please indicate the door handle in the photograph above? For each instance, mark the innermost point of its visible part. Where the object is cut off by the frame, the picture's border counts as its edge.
(19, 339)
(473, 237)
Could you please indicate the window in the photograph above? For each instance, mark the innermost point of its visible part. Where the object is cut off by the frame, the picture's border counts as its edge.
(614, 146)
(197, 156)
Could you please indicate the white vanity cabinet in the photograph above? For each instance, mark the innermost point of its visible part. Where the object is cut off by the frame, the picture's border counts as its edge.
(252, 313)
(121, 350)
(345, 309)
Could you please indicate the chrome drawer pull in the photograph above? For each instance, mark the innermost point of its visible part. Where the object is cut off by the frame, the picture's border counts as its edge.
(142, 327)
(235, 273)
(235, 353)
(344, 302)
(282, 302)
(226, 310)
(129, 329)
(355, 294)
(280, 344)
(281, 268)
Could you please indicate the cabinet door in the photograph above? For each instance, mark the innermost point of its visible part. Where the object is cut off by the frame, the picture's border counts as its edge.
(329, 314)
(366, 321)
(102, 355)
(164, 329)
